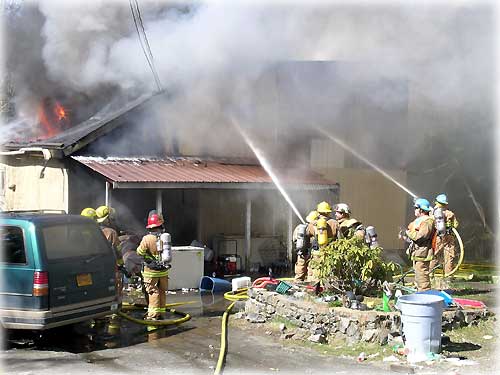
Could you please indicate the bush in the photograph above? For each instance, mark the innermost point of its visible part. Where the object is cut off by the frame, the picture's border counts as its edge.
(350, 265)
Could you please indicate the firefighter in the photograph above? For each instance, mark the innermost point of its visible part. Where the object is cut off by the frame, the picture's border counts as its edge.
(322, 231)
(301, 237)
(103, 215)
(347, 227)
(444, 249)
(90, 213)
(155, 248)
(420, 233)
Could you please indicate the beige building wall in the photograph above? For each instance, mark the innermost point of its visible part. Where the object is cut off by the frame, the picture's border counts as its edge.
(374, 200)
(26, 190)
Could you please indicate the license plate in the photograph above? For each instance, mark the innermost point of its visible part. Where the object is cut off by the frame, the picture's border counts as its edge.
(84, 279)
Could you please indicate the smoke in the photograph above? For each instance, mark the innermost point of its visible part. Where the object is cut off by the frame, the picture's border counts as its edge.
(410, 82)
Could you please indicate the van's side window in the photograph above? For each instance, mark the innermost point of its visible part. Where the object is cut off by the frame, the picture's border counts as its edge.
(13, 245)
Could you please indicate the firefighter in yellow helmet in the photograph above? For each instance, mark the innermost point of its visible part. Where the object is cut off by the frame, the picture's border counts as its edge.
(103, 214)
(89, 212)
(323, 230)
(155, 248)
(445, 251)
(347, 227)
(103, 217)
(302, 240)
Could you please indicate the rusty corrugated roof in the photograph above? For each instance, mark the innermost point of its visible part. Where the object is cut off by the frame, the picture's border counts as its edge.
(125, 171)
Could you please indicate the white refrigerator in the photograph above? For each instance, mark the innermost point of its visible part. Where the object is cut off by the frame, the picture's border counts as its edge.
(187, 267)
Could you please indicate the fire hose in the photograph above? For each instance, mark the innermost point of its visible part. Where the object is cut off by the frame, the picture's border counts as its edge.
(238, 295)
(453, 271)
(157, 323)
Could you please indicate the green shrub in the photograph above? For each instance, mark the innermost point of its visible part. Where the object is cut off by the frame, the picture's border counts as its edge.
(351, 265)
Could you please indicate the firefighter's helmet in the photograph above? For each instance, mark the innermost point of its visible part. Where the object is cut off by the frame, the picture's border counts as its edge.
(324, 208)
(154, 220)
(442, 198)
(343, 208)
(313, 215)
(102, 212)
(423, 204)
(89, 212)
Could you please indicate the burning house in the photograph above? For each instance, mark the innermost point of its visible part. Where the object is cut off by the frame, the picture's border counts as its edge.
(205, 177)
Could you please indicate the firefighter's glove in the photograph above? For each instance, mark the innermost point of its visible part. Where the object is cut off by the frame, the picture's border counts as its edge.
(314, 244)
(123, 270)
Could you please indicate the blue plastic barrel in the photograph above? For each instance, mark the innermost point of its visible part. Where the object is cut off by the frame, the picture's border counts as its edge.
(214, 285)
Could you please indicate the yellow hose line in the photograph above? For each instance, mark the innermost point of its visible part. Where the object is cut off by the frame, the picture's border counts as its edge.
(461, 258)
(160, 323)
(239, 295)
(223, 341)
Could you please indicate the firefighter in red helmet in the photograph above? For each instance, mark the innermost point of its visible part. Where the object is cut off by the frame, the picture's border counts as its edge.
(155, 248)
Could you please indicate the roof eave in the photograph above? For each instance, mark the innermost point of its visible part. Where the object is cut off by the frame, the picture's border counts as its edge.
(219, 185)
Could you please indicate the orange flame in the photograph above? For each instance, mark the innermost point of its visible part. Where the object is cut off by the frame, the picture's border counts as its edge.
(53, 117)
(59, 111)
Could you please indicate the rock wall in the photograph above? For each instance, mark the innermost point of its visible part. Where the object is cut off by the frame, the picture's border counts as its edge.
(324, 322)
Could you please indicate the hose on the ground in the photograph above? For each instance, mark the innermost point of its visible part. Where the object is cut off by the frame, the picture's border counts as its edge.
(223, 341)
(160, 323)
(238, 295)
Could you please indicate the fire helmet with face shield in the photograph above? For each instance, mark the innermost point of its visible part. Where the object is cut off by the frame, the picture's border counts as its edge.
(343, 208)
(442, 198)
(423, 204)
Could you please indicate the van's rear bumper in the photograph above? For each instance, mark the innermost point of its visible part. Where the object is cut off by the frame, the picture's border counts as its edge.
(64, 315)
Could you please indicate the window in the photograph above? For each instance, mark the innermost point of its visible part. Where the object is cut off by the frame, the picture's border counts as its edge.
(74, 240)
(13, 245)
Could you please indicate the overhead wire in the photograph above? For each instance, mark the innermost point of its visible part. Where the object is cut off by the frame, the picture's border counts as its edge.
(143, 40)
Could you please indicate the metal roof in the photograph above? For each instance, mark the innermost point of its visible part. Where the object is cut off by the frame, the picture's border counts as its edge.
(78, 136)
(183, 172)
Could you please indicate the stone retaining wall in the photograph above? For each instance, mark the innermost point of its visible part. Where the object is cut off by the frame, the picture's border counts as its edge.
(324, 322)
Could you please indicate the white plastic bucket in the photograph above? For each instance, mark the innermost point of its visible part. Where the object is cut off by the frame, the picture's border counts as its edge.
(421, 319)
(240, 282)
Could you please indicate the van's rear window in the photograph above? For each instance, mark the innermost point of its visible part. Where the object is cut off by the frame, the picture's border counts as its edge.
(73, 240)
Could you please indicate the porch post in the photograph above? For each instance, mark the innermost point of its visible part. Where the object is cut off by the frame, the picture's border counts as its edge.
(108, 194)
(159, 202)
(248, 232)
(289, 245)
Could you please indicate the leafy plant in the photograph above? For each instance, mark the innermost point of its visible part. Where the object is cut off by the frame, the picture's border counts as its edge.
(351, 265)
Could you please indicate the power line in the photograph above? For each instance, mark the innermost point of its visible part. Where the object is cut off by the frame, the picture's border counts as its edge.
(146, 48)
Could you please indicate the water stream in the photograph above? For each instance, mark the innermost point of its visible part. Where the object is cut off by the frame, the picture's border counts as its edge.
(267, 166)
(358, 155)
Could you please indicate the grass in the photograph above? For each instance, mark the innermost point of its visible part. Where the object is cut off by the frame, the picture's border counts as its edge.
(473, 342)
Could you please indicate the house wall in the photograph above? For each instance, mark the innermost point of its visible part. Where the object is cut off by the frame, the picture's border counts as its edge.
(25, 189)
(374, 200)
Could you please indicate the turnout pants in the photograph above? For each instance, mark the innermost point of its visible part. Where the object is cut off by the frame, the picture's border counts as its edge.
(313, 271)
(422, 277)
(446, 253)
(301, 267)
(156, 287)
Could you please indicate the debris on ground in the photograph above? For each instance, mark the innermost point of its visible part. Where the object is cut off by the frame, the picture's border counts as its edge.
(391, 358)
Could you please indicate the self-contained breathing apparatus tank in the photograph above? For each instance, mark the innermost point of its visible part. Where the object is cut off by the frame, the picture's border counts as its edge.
(439, 221)
(371, 237)
(302, 242)
(321, 231)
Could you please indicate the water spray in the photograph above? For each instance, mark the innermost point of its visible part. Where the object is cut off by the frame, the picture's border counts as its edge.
(377, 168)
(265, 164)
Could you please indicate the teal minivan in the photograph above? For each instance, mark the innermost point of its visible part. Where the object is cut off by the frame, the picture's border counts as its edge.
(56, 270)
